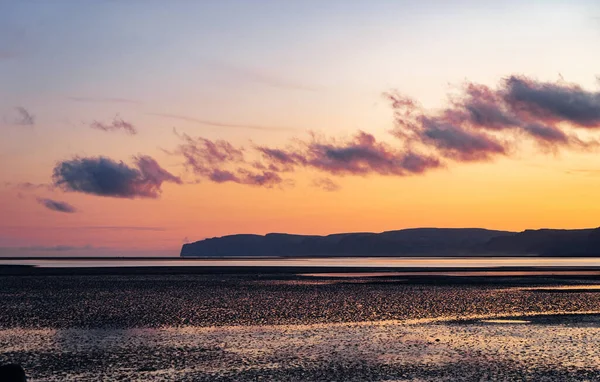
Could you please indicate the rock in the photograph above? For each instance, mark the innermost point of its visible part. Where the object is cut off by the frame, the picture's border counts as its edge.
(12, 373)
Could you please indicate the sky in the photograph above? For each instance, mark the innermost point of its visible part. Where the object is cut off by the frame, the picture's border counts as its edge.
(131, 127)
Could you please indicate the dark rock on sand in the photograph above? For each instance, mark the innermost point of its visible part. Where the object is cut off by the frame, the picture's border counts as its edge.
(12, 373)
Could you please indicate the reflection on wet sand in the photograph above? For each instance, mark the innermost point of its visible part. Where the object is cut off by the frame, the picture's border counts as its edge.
(504, 321)
(480, 273)
(284, 327)
(565, 288)
(348, 262)
(367, 350)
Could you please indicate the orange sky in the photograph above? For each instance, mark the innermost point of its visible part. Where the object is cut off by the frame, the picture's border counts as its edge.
(323, 72)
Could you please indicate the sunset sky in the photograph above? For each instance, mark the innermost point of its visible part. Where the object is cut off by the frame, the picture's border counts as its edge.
(130, 127)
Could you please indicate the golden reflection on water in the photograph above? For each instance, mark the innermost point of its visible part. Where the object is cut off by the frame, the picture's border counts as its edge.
(277, 346)
(572, 288)
(505, 321)
(457, 273)
(391, 262)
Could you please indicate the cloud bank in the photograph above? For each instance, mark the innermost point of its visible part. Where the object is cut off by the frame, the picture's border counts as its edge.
(105, 177)
(480, 124)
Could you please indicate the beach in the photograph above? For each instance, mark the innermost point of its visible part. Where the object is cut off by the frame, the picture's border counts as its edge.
(296, 327)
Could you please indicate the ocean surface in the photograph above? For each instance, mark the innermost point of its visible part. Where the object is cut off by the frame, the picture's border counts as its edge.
(375, 262)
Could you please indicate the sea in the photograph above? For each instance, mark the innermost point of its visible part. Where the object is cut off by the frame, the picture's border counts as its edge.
(362, 262)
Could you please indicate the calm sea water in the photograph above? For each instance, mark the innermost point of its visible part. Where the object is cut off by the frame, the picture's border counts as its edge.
(375, 262)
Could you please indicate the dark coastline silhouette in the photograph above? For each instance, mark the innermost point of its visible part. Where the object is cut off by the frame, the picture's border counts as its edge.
(407, 242)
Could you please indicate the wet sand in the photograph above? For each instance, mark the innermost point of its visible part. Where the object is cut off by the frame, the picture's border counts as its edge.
(294, 328)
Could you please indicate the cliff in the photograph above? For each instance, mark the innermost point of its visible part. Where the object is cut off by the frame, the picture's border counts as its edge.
(407, 242)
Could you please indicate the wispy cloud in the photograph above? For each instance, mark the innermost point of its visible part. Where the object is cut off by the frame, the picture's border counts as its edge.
(116, 124)
(54, 248)
(207, 159)
(28, 186)
(257, 75)
(23, 117)
(103, 100)
(122, 228)
(326, 184)
(105, 177)
(57, 206)
(92, 228)
(220, 124)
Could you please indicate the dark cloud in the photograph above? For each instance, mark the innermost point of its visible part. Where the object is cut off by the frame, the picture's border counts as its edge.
(553, 102)
(280, 160)
(360, 155)
(221, 162)
(363, 155)
(117, 124)
(57, 206)
(482, 107)
(24, 117)
(222, 176)
(105, 177)
(481, 123)
(548, 134)
(242, 176)
(451, 134)
(458, 143)
(220, 124)
(153, 173)
(326, 184)
(264, 178)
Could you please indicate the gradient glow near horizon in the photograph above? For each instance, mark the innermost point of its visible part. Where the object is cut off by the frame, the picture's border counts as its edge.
(130, 81)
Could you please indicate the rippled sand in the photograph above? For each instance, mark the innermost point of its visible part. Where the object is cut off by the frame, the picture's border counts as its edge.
(504, 330)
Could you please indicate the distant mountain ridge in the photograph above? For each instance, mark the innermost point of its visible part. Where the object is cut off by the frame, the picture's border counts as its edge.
(406, 242)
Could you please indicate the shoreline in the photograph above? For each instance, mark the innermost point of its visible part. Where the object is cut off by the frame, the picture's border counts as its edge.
(306, 271)
(277, 326)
